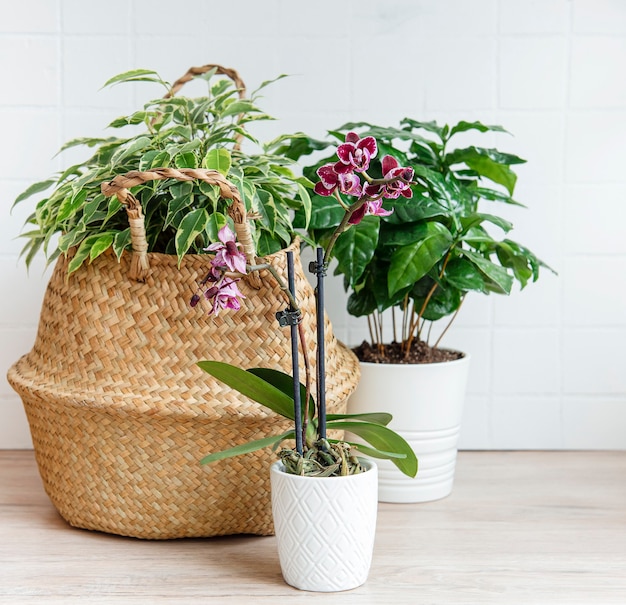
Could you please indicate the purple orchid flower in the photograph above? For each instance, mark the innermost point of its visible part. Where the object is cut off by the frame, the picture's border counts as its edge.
(391, 170)
(330, 180)
(225, 296)
(227, 252)
(350, 184)
(372, 208)
(355, 154)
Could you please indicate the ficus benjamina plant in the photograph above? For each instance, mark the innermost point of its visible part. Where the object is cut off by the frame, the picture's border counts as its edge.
(180, 217)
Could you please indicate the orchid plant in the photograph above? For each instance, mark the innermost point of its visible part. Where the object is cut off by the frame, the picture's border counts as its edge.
(420, 242)
(315, 454)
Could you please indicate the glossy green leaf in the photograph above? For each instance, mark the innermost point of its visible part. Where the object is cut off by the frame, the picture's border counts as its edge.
(355, 248)
(361, 303)
(382, 418)
(251, 386)
(496, 274)
(418, 208)
(247, 448)
(464, 126)
(480, 217)
(284, 382)
(445, 301)
(410, 263)
(383, 439)
(325, 213)
(464, 275)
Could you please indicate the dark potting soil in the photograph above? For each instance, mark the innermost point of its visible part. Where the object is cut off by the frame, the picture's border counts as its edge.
(392, 353)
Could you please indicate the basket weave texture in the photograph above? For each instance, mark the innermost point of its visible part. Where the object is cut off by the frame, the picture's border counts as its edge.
(118, 410)
(120, 414)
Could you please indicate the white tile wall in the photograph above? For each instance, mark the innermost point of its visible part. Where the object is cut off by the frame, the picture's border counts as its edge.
(548, 362)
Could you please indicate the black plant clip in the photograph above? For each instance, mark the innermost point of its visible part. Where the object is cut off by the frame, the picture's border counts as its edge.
(288, 317)
(318, 268)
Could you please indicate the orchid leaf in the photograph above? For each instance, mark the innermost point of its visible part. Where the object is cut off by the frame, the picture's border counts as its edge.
(284, 382)
(247, 448)
(373, 452)
(382, 418)
(252, 386)
(383, 439)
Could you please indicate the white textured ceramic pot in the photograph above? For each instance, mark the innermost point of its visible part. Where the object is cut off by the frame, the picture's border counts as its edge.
(325, 528)
(426, 401)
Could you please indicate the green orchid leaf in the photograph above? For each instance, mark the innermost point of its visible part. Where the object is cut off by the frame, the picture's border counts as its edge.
(247, 448)
(371, 451)
(251, 386)
(382, 418)
(384, 440)
(284, 382)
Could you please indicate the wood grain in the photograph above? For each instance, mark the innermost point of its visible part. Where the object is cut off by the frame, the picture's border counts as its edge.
(519, 528)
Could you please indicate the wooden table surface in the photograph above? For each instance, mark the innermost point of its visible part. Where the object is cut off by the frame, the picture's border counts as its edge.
(520, 527)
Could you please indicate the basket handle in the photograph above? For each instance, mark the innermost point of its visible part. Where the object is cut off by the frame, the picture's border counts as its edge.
(120, 185)
(192, 72)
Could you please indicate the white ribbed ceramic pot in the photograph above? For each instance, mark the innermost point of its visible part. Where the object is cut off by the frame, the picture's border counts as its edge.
(426, 401)
(325, 527)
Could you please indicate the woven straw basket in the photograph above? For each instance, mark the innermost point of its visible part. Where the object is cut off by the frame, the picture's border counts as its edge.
(118, 410)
